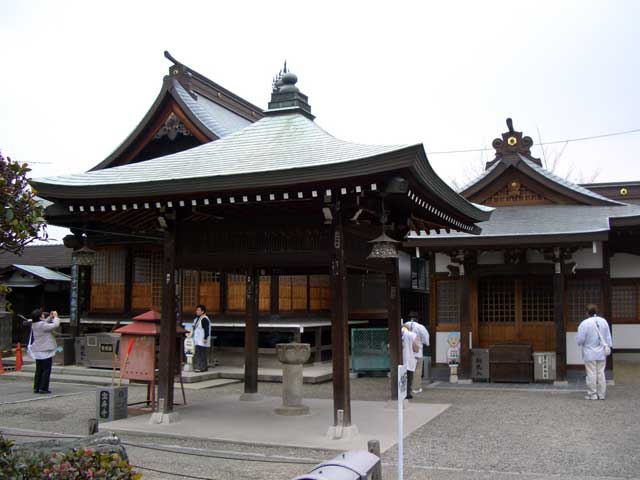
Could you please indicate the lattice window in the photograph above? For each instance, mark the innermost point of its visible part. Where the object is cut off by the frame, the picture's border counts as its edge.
(264, 293)
(189, 290)
(320, 293)
(109, 266)
(156, 280)
(107, 280)
(515, 193)
(209, 291)
(580, 293)
(236, 293)
(537, 300)
(448, 310)
(624, 302)
(292, 293)
(497, 301)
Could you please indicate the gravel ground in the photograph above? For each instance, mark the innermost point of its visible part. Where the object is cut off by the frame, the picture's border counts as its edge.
(483, 435)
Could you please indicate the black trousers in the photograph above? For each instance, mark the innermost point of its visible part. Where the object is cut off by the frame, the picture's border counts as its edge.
(43, 373)
(409, 383)
(201, 358)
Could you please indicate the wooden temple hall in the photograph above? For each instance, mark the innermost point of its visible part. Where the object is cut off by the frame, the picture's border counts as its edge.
(261, 215)
(550, 248)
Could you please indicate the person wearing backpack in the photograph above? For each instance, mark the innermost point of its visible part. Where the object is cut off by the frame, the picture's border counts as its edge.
(594, 336)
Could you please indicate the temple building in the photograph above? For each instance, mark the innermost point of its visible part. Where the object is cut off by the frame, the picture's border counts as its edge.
(261, 215)
(550, 248)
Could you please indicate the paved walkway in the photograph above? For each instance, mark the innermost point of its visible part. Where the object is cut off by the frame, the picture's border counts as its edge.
(228, 419)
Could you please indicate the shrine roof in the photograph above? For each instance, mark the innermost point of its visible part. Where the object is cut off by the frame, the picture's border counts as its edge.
(514, 151)
(516, 225)
(284, 149)
(214, 110)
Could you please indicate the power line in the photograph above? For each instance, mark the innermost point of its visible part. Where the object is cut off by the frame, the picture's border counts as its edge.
(577, 139)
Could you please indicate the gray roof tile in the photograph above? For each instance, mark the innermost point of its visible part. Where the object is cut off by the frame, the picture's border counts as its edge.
(281, 142)
(543, 220)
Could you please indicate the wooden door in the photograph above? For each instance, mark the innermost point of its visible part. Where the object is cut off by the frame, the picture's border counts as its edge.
(516, 310)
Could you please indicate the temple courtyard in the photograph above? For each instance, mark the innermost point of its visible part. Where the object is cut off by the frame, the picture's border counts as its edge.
(474, 433)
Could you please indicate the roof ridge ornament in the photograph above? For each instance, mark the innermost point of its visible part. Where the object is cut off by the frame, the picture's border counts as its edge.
(286, 96)
(512, 142)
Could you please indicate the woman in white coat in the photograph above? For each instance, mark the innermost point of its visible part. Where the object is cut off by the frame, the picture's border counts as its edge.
(42, 347)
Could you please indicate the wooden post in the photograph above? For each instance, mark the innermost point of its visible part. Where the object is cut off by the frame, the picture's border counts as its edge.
(558, 317)
(167, 360)
(339, 326)
(606, 294)
(395, 334)
(128, 281)
(251, 333)
(465, 318)
(374, 447)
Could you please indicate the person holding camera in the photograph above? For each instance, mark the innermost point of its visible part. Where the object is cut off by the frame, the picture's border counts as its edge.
(42, 347)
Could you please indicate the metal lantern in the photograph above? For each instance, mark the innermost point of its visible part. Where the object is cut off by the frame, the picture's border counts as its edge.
(384, 247)
(85, 256)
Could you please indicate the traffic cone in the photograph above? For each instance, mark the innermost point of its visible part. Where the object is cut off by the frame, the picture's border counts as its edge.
(1, 367)
(18, 357)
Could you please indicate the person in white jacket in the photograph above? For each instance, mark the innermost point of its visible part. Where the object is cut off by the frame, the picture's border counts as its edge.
(42, 347)
(423, 337)
(408, 357)
(593, 334)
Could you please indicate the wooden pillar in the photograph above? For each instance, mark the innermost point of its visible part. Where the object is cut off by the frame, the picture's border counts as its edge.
(558, 316)
(128, 281)
(167, 360)
(433, 312)
(606, 294)
(465, 315)
(251, 333)
(465, 327)
(339, 325)
(395, 334)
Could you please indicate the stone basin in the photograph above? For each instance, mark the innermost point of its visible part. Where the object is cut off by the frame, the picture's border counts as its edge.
(293, 353)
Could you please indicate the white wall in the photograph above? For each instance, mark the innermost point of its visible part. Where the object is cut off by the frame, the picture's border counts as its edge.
(625, 265)
(441, 347)
(442, 260)
(585, 258)
(491, 258)
(626, 336)
(574, 353)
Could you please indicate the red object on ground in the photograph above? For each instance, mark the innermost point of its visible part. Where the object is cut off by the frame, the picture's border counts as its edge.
(18, 357)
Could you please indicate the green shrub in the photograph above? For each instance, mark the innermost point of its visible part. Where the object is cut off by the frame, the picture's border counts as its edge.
(74, 464)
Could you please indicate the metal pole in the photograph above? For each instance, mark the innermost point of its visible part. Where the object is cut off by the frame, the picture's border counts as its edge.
(401, 395)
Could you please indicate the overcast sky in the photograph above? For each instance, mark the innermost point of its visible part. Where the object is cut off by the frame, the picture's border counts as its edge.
(77, 77)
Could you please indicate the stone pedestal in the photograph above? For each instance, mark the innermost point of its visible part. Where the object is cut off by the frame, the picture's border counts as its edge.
(292, 356)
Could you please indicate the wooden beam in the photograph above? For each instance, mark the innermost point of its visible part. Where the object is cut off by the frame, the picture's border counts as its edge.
(339, 325)
(395, 335)
(251, 332)
(558, 317)
(167, 360)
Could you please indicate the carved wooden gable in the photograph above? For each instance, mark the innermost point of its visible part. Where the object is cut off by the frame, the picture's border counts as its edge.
(516, 193)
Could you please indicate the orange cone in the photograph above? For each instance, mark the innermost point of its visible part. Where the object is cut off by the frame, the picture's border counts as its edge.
(18, 357)
(1, 367)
